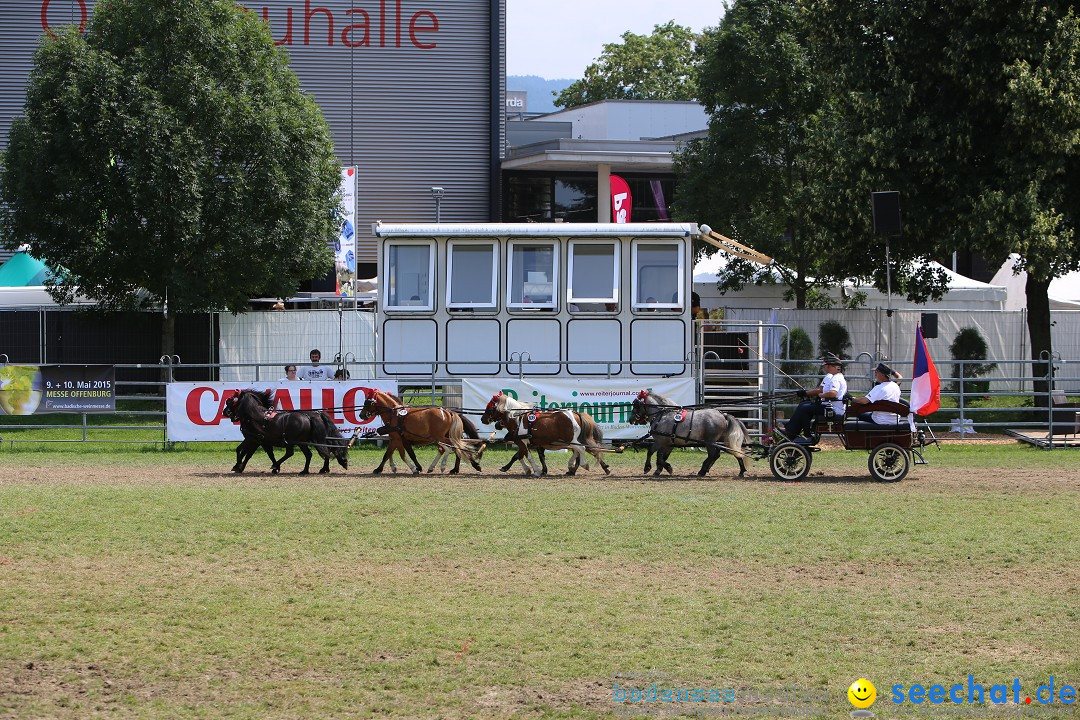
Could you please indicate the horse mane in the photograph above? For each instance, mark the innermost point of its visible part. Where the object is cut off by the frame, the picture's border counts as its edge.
(506, 403)
(659, 399)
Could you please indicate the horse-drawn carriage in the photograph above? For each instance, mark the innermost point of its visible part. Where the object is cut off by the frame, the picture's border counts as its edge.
(893, 449)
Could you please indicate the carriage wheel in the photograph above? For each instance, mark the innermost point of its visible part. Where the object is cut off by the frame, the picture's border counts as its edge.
(790, 461)
(889, 463)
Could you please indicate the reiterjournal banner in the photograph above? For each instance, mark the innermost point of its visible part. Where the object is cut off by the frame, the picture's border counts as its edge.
(607, 400)
(194, 409)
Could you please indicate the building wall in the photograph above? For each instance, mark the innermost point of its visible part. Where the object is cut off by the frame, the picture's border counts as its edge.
(409, 115)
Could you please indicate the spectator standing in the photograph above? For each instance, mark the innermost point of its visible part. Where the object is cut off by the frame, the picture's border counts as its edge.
(315, 371)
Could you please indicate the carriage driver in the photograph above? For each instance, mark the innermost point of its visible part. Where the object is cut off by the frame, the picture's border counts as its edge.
(833, 388)
(884, 389)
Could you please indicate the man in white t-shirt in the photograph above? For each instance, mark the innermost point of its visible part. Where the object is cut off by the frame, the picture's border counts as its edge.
(884, 389)
(830, 393)
(315, 371)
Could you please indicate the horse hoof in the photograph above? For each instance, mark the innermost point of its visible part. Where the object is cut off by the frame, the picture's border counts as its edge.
(324, 471)
(304, 472)
(377, 471)
(275, 471)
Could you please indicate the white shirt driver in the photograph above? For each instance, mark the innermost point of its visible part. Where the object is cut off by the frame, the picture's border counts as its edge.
(835, 381)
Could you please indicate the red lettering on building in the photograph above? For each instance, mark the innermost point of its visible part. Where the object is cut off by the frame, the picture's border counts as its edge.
(309, 12)
(366, 26)
(414, 28)
(422, 21)
(45, 17)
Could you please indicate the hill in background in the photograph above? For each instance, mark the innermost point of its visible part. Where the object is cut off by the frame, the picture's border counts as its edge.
(541, 99)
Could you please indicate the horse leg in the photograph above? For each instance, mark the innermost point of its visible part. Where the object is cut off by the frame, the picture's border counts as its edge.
(241, 450)
(288, 454)
(307, 460)
(441, 450)
(519, 455)
(575, 461)
(599, 455)
(325, 465)
(543, 462)
(648, 459)
(712, 454)
(386, 456)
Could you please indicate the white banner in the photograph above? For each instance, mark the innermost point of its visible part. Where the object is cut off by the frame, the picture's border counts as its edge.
(345, 260)
(194, 409)
(607, 400)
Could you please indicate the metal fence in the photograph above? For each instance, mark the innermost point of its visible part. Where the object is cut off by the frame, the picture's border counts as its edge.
(754, 386)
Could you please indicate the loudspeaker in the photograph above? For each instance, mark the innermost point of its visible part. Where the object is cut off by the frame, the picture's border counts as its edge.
(886, 213)
(929, 325)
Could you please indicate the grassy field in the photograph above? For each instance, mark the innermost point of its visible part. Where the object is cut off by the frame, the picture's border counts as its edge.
(150, 584)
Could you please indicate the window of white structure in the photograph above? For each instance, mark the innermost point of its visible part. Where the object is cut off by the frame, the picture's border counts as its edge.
(473, 274)
(593, 276)
(656, 283)
(532, 275)
(409, 269)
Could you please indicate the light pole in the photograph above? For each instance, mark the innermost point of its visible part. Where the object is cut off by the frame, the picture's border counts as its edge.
(437, 193)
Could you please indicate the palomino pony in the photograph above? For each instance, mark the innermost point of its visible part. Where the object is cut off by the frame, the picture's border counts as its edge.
(287, 429)
(672, 425)
(408, 426)
(554, 429)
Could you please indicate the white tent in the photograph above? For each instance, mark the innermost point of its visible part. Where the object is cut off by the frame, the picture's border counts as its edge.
(963, 293)
(1064, 291)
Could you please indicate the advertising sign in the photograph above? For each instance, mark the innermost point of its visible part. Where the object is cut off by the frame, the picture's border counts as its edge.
(345, 245)
(621, 201)
(194, 409)
(607, 400)
(29, 389)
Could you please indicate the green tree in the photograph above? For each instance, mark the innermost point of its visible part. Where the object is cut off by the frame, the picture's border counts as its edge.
(643, 67)
(972, 111)
(767, 167)
(169, 155)
(970, 345)
(834, 338)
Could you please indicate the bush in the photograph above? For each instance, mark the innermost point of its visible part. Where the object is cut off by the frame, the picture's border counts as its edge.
(834, 338)
(800, 348)
(970, 345)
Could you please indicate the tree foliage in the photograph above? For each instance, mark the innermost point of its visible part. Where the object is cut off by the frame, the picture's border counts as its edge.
(768, 170)
(972, 111)
(170, 153)
(643, 67)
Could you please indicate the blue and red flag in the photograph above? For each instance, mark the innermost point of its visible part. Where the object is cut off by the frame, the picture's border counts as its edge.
(925, 383)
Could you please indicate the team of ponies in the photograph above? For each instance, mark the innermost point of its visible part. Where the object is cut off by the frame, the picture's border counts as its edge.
(527, 428)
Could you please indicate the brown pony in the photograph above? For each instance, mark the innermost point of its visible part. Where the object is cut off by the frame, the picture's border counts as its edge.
(554, 429)
(408, 426)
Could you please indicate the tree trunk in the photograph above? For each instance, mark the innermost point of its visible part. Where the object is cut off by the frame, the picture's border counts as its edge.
(1038, 320)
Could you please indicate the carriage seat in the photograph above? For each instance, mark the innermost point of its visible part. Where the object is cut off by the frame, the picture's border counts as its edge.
(853, 424)
(862, 426)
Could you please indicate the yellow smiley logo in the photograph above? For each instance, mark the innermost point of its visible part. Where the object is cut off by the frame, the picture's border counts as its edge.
(862, 693)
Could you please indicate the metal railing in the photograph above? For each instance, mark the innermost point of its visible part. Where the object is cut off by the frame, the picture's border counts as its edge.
(970, 405)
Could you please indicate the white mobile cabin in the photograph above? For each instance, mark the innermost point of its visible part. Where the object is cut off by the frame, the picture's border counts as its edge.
(558, 299)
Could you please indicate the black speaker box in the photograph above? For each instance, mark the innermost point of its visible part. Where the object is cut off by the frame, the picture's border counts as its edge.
(886, 213)
(929, 325)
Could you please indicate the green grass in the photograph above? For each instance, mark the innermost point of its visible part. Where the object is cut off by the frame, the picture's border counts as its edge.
(155, 584)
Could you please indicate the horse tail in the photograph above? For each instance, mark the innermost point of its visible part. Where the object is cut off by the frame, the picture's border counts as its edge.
(738, 435)
(468, 427)
(591, 434)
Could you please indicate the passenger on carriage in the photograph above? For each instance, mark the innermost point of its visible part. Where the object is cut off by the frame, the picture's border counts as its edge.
(832, 389)
(884, 389)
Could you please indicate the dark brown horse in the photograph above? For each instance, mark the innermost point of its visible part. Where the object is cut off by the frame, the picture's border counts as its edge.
(287, 429)
(408, 426)
(554, 429)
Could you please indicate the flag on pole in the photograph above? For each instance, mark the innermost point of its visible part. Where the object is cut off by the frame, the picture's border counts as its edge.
(621, 201)
(925, 383)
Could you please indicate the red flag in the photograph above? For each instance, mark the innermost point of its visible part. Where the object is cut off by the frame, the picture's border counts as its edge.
(621, 201)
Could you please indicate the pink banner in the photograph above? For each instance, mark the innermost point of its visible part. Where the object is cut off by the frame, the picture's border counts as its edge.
(621, 201)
